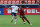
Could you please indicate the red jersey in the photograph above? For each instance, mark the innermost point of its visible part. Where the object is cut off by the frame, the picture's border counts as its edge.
(21, 12)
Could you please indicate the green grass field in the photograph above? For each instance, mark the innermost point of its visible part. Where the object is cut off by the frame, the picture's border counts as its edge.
(5, 21)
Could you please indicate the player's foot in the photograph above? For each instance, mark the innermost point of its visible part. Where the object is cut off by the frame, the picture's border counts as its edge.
(14, 24)
(24, 23)
(30, 24)
(11, 20)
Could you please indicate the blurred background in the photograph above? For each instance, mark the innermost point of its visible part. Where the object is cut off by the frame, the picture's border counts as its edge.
(4, 4)
(28, 3)
(32, 12)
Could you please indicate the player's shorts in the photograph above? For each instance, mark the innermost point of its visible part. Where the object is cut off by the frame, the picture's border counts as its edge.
(13, 14)
(24, 17)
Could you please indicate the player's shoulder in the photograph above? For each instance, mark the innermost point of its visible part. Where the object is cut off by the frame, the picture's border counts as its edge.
(12, 6)
(17, 6)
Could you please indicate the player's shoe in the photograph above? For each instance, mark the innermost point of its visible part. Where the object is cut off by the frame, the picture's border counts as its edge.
(11, 21)
(30, 24)
(24, 23)
(15, 24)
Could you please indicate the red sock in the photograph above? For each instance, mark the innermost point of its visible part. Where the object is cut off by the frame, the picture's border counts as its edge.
(27, 20)
(23, 19)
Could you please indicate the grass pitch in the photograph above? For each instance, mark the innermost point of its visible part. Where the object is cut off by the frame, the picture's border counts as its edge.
(5, 21)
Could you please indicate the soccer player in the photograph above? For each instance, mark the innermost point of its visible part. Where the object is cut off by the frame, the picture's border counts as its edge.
(14, 11)
(21, 13)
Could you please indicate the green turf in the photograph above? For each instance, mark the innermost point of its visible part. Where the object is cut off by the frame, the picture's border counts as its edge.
(5, 21)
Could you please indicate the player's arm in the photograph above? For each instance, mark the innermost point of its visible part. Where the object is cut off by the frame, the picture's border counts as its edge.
(9, 7)
(18, 13)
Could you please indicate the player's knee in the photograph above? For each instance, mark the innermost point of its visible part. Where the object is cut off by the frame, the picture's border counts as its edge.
(15, 17)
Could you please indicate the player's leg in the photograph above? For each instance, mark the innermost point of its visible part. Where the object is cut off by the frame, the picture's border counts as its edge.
(26, 19)
(23, 19)
(12, 17)
(15, 18)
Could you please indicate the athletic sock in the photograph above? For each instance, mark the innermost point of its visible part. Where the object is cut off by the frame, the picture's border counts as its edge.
(15, 21)
(12, 18)
(27, 20)
(23, 19)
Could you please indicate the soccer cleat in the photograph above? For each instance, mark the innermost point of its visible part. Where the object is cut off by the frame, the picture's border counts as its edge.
(11, 21)
(24, 23)
(14, 24)
(30, 24)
